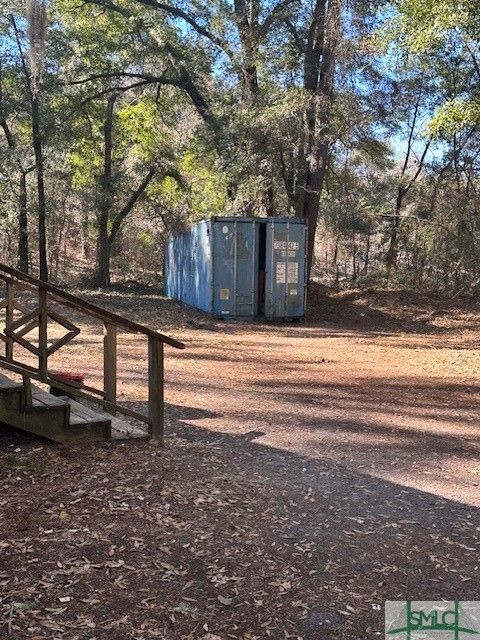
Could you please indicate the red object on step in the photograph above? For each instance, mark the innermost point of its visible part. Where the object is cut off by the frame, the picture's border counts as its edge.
(68, 377)
(74, 380)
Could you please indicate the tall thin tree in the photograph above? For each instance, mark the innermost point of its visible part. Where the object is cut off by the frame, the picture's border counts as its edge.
(36, 31)
(23, 172)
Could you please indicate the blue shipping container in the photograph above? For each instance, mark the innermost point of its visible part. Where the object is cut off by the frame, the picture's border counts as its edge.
(285, 268)
(240, 267)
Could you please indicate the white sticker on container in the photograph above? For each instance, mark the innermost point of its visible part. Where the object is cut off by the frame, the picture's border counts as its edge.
(224, 294)
(281, 273)
(225, 228)
(292, 272)
(282, 244)
(293, 292)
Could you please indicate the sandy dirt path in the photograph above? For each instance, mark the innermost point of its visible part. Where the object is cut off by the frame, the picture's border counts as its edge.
(311, 472)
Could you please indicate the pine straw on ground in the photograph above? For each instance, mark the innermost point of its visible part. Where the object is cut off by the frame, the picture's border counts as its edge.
(311, 472)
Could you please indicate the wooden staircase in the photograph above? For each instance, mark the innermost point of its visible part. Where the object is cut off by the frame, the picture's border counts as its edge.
(60, 418)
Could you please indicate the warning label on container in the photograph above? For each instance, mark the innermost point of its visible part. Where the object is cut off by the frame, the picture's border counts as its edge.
(292, 272)
(224, 294)
(287, 274)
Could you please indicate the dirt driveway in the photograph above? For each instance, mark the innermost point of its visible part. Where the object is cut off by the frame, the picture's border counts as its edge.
(312, 472)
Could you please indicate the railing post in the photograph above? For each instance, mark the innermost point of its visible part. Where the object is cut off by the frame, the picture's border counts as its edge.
(110, 362)
(27, 385)
(42, 332)
(9, 309)
(155, 388)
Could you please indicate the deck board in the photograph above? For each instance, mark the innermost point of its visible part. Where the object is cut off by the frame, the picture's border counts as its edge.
(121, 428)
(41, 399)
(80, 414)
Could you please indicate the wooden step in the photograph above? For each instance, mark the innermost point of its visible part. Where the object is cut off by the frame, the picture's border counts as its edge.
(121, 429)
(46, 401)
(59, 419)
(87, 423)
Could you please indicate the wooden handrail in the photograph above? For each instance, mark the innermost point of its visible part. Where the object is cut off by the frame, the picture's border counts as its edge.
(16, 331)
(90, 309)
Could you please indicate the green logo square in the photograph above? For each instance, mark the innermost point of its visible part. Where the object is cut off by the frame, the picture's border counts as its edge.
(432, 620)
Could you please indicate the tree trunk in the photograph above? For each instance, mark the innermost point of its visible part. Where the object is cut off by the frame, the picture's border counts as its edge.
(41, 205)
(311, 73)
(103, 264)
(335, 264)
(106, 254)
(22, 184)
(269, 197)
(315, 179)
(367, 256)
(22, 224)
(392, 253)
(247, 16)
(107, 234)
(403, 188)
(250, 83)
(354, 261)
(106, 199)
(323, 40)
(130, 204)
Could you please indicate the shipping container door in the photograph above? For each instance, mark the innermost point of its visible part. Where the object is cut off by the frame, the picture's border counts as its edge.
(235, 268)
(285, 265)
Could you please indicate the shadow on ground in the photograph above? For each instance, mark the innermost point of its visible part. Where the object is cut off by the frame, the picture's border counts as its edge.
(324, 543)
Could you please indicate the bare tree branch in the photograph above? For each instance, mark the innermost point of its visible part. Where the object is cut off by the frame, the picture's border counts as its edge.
(276, 15)
(100, 94)
(131, 202)
(300, 45)
(475, 62)
(419, 168)
(176, 12)
(118, 74)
